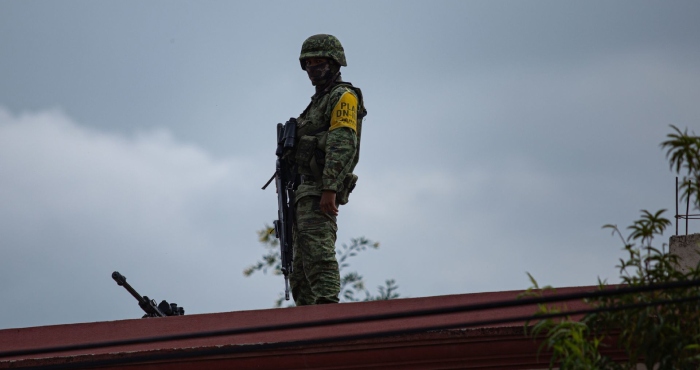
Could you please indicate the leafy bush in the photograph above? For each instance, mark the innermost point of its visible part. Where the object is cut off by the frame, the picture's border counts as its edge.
(660, 336)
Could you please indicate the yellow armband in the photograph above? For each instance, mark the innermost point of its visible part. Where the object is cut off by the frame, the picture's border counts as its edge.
(345, 112)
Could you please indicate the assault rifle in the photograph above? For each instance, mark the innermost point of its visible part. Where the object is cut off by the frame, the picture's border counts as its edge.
(285, 181)
(149, 305)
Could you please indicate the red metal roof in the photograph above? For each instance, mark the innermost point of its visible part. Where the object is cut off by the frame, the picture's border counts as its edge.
(494, 346)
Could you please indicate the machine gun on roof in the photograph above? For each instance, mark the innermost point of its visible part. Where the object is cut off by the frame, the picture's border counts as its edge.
(149, 305)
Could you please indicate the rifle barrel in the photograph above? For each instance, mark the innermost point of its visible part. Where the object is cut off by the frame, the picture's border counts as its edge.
(121, 281)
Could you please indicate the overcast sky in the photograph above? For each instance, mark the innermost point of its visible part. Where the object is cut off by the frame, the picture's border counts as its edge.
(501, 136)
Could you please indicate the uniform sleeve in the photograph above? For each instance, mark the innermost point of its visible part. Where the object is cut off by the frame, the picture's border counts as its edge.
(344, 113)
(341, 144)
(341, 147)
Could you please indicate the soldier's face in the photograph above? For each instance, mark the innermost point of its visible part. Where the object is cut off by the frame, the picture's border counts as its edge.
(312, 62)
(318, 69)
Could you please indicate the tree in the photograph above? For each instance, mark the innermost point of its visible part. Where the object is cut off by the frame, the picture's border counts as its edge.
(661, 336)
(352, 284)
(683, 153)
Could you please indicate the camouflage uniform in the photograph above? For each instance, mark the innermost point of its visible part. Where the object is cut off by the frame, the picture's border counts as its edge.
(326, 152)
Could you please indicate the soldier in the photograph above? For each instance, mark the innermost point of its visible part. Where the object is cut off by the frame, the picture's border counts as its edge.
(327, 151)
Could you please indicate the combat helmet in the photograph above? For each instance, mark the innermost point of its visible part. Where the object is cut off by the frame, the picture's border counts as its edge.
(322, 46)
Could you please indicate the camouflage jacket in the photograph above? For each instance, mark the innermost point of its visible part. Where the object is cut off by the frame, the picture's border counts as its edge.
(328, 140)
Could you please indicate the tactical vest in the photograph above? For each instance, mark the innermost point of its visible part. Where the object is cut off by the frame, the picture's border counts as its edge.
(312, 132)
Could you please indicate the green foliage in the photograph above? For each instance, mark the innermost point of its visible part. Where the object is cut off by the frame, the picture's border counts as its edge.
(663, 336)
(660, 336)
(571, 342)
(271, 258)
(388, 291)
(683, 154)
(352, 284)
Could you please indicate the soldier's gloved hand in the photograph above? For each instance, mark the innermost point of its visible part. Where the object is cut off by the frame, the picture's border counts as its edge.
(328, 203)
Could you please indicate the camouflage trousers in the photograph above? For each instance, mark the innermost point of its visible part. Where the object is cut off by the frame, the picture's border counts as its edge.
(315, 278)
